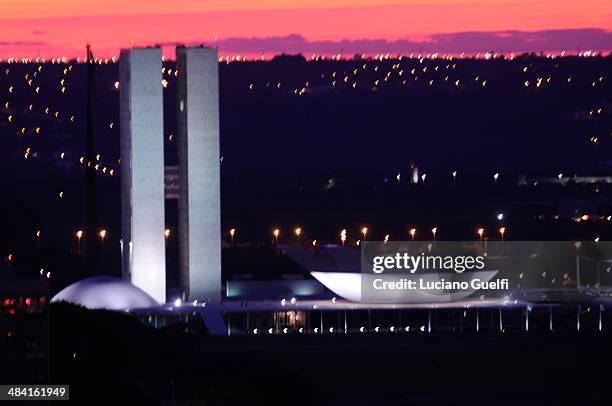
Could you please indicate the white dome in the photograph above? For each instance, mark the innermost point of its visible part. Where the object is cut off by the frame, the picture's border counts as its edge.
(105, 292)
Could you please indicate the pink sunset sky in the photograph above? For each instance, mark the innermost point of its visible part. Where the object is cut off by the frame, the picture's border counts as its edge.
(63, 27)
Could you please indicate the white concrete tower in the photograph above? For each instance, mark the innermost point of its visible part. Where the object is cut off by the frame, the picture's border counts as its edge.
(199, 172)
(142, 170)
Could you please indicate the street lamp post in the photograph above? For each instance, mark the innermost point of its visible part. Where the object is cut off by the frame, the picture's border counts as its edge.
(502, 231)
(298, 232)
(167, 235)
(364, 231)
(480, 233)
(232, 233)
(79, 236)
(102, 235)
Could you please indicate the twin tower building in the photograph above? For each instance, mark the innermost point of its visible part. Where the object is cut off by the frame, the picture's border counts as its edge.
(142, 172)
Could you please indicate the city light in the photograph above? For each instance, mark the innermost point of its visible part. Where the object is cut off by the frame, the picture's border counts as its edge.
(79, 236)
(480, 233)
(32, 116)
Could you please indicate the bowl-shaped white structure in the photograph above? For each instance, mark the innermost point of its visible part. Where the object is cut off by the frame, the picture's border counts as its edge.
(105, 292)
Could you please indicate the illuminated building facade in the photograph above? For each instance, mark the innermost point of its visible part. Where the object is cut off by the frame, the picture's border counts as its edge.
(199, 205)
(196, 185)
(142, 171)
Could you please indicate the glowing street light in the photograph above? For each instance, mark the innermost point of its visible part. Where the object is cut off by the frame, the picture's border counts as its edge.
(343, 236)
(167, 233)
(364, 231)
(79, 236)
(232, 234)
(496, 177)
(276, 233)
(480, 233)
(102, 234)
(433, 232)
(386, 238)
(412, 233)
(502, 231)
(298, 232)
